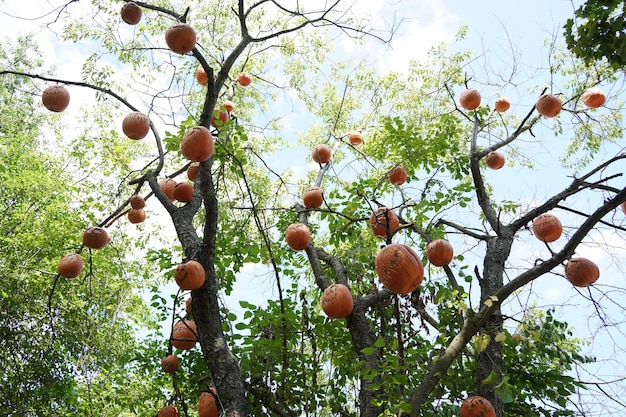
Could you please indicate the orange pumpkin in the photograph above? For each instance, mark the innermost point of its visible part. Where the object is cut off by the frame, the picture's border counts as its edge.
(399, 268)
(313, 197)
(228, 105)
(168, 411)
(201, 76)
(96, 237)
(169, 364)
(439, 252)
(623, 205)
(136, 125)
(55, 98)
(207, 406)
(189, 275)
(188, 303)
(397, 175)
(355, 138)
(383, 222)
(547, 227)
(219, 118)
(70, 266)
(337, 301)
(244, 79)
(298, 236)
(548, 105)
(470, 99)
(131, 13)
(593, 97)
(183, 192)
(167, 186)
(502, 104)
(197, 144)
(476, 406)
(321, 154)
(494, 160)
(137, 201)
(180, 38)
(184, 335)
(136, 215)
(581, 272)
(193, 170)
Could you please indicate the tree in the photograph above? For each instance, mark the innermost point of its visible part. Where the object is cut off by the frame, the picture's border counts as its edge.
(419, 352)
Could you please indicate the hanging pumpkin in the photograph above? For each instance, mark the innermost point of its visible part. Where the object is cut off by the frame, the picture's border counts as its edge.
(136, 216)
(167, 186)
(244, 79)
(193, 170)
(547, 227)
(219, 118)
(383, 222)
(548, 105)
(397, 175)
(355, 138)
(184, 335)
(136, 125)
(228, 105)
(197, 144)
(188, 303)
(399, 268)
(439, 252)
(470, 99)
(201, 76)
(337, 301)
(70, 266)
(131, 13)
(168, 411)
(207, 406)
(623, 205)
(137, 202)
(502, 104)
(180, 38)
(55, 98)
(494, 160)
(581, 272)
(189, 275)
(313, 197)
(183, 192)
(96, 237)
(476, 406)
(593, 97)
(169, 364)
(298, 236)
(321, 154)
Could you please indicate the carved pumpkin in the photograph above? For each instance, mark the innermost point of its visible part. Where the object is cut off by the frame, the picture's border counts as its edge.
(476, 406)
(183, 192)
(313, 197)
(137, 202)
(439, 252)
(188, 304)
(136, 125)
(502, 104)
(399, 268)
(397, 175)
(355, 138)
(169, 364)
(70, 266)
(136, 215)
(337, 301)
(470, 99)
(219, 118)
(131, 13)
(197, 144)
(167, 186)
(548, 105)
(184, 335)
(168, 411)
(383, 222)
(55, 98)
(201, 76)
(207, 406)
(193, 170)
(593, 97)
(547, 227)
(96, 237)
(494, 160)
(298, 236)
(190, 275)
(180, 38)
(228, 105)
(244, 79)
(581, 272)
(321, 154)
